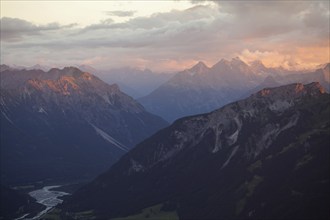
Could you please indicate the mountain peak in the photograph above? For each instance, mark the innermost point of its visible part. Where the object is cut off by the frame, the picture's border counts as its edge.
(201, 63)
(296, 90)
(237, 61)
(71, 69)
(66, 71)
(315, 87)
(257, 64)
(222, 61)
(4, 67)
(198, 68)
(38, 67)
(87, 68)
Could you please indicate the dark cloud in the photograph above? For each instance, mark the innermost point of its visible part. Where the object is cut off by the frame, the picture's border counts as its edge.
(270, 18)
(121, 13)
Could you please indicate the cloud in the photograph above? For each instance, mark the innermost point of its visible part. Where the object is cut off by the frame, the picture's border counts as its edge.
(302, 58)
(120, 13)
(268, 19)
(14, 29)
(278, 32)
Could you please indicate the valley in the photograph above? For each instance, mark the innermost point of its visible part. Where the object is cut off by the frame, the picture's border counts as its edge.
(46, 197)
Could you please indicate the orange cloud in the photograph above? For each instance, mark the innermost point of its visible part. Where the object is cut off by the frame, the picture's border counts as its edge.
(297, 59)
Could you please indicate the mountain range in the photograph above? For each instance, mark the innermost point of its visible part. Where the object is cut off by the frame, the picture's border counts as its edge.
(133, 81)
(263, 157)
(65, 124)
(202, 89)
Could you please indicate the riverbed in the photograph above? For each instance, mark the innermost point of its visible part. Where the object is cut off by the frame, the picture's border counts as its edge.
(47, 197)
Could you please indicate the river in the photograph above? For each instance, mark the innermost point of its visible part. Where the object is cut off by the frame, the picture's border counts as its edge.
(47, 197)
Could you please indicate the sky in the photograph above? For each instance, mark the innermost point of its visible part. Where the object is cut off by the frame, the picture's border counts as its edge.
(164, 36)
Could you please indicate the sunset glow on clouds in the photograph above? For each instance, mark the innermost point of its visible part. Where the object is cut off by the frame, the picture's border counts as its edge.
(164, 35)
(300, 58)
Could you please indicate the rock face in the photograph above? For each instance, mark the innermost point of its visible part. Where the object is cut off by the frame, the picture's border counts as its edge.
(264, 157)
(202, 89)
(65, 124)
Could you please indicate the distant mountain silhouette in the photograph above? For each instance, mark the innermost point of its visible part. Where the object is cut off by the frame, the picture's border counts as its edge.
(202, 89)
(133, 81)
